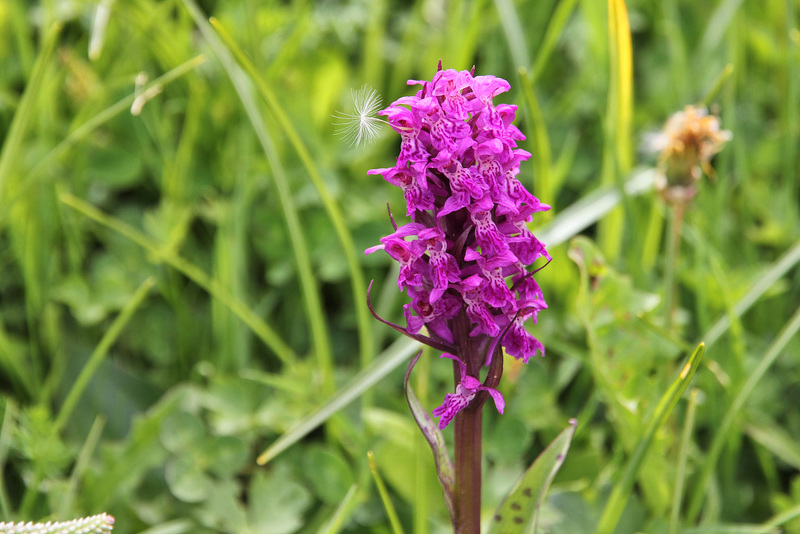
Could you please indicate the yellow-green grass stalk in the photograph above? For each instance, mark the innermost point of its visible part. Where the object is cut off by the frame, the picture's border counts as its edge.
(617, 151)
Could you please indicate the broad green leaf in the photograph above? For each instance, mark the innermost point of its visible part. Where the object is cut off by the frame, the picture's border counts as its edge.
(519, 511)
(186, 480)
(277, 503)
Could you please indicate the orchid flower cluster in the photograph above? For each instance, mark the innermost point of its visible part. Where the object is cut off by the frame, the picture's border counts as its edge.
(464, 256)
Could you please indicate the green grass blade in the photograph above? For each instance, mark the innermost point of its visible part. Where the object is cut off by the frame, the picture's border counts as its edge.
(718, 24)
(731, 529)
(101, 350)
(342, 512)
(721, 437)
(6, 436)
(683, 455)
(19, 124)
(763, 282)
(515, 36)
(81, 464)
(397, 528)
(398, 353)
(519, 511)
(720, 82)
(783, 517)
(270, 338)
(178, 526)
(551, 36)
(543, 186)
(775, 439)
(591, 208)
(367, 345)
(622, 490)
(308, 283)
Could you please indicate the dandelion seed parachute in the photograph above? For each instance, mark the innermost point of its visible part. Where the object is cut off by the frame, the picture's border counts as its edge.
(362, 125)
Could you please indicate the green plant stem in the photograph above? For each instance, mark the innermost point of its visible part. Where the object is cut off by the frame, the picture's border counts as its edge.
(467, 438)
(468, 424)
(674, 222)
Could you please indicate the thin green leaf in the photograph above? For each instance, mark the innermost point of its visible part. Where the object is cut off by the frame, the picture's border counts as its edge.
(775, 439)
(101, 350)
(683, 455)
(81, 464)
(591, 208)
(543, 186)
(519, 511)
(389, 360)
(619, 496)
(387, 501)
(721, 437)
(783, 517)
(178, 526)
(19, 124)
(551, 36)
(731, 529)
(6, 435)
(342, 512)
(712, 93)
(763, 282)
(515, 36)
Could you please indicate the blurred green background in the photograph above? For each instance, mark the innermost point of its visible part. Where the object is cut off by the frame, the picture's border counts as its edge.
(182, 275)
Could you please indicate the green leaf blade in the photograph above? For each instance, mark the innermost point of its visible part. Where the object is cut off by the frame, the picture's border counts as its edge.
(521, 506)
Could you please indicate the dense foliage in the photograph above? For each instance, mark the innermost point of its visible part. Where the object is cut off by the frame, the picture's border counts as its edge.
(182, 268)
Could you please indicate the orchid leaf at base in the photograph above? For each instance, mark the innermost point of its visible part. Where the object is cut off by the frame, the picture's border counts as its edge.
(519, 511)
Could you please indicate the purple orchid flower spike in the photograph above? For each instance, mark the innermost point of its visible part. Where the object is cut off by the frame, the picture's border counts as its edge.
(465, 392)
(466, 256)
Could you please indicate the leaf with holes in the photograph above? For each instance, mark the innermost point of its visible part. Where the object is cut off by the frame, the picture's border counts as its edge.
(520, 509)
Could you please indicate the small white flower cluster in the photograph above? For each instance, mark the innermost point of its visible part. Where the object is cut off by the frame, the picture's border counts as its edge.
(96, 524)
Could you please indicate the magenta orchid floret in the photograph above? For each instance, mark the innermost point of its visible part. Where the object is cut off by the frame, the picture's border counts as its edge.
(464, 258)
(465, 392)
